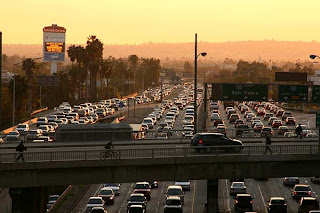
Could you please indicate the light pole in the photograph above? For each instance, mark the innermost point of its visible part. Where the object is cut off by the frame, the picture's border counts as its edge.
(196, 55)
(14, 90)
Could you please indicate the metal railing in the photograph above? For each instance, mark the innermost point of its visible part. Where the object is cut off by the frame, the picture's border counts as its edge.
(147, 153)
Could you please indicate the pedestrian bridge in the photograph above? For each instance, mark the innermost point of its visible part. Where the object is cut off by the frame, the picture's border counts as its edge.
(136, 164)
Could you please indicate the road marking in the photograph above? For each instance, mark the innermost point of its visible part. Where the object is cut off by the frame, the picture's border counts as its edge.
(161, 193)
(126, 198)
(264, 203)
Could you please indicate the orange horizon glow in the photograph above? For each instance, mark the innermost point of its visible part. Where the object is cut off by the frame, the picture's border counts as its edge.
(165, 21)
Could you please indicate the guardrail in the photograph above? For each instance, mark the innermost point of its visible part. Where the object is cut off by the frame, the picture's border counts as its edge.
(147, 153)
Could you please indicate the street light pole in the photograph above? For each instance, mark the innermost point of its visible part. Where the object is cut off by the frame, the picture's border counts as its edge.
(195, 85)
(196, 55)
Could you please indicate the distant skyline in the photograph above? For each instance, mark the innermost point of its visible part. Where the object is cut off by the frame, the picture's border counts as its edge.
(169, 21)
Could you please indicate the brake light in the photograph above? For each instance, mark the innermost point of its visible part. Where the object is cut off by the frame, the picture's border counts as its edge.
(309, 193)
(294, 193)
(235, 201)
(200, 141)
(251, 201)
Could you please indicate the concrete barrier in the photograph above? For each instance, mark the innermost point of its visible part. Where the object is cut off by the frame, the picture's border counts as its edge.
(66, 192)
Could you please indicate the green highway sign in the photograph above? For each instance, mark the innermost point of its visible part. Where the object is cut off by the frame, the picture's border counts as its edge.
(245, 92)
(289, 93)
(316, 93)
(318, 120)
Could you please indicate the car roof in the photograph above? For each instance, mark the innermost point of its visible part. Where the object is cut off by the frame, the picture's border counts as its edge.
(244, 195)
(173, 198)
(210, 133)
(174, 187)
(106, 188)
(277, 198)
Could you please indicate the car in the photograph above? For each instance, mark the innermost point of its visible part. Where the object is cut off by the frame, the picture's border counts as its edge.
(154, 184)
(300, 190)
(184, 184)
(23, 128)
(240, 128)
(290, 121)
(233, 118)
(34, 134)
(250, 117)
(188, 119)
(237, 122)
(144, 188)
(174, 190)
(215, 116)
(114, 186)
(277, 205)
(221, 129)
(149, 122)
(289, 134)
(173, 204)
(290, 181)
(215, 139)
(52, 118)
(243, 202)
(285, 115)
(282, 130)
(137, 199)
(305, 132)
(279, 113)
(98, 210)
(136, 209)
(315, 179)
(51, 200)
(238, 188)
(94, 202)
(107, 195)
(258, 127)
(13, 136)
(307, 204)
(276, 123)
(261, 111)
(162, 136)
(267, 116)
(271, 119)
(45, 129)
(42, 121)
(218, 121)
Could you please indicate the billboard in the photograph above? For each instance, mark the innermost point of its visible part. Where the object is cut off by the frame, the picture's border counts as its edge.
(291, 76)
(54, 38)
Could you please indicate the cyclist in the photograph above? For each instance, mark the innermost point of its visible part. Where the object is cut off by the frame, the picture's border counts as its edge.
(109, 145)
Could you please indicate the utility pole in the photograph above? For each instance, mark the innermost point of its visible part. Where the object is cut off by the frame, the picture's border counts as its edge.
(195, 86)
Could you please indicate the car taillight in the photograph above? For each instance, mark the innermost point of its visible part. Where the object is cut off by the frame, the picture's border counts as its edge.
(309, 193)
(294, 193)
(235, 201)
(251, 201)
(200, 141)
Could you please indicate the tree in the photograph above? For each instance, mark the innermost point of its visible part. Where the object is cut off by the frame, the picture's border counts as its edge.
(28, 65)
(133, 63)
(94, 51)
(187, 66)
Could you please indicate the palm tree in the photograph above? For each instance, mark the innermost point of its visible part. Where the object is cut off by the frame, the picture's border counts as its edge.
(72, 53)
(28, 65)
(133, 62)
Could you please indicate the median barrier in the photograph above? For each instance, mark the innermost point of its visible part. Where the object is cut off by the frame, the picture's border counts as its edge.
(39, 110)
(55, 206)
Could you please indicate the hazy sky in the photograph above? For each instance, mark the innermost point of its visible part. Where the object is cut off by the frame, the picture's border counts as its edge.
(141, 21)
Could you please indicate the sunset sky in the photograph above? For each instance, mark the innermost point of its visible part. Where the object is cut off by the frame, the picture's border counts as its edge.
(173, 21)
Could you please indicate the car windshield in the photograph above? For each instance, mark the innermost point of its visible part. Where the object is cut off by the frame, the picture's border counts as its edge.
(106, 192)
(137, 198)
(21, 126)
(13, 133)
(237, 185)
(95, 201)
(278, 201)
(53, 198)
(174, 192)
(173, 202)
(111, 185)
(244, 198)
(302, 188)
(142, 186)
(136, 210)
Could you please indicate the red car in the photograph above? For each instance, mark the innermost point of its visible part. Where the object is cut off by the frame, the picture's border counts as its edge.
(261, 111)
(276, 123)
(290, 121)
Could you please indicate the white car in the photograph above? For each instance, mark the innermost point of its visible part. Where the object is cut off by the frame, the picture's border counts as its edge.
(238, 188)
(94, 202)
(114, 186)
(149, 122)
(23, 128)
(186, 185)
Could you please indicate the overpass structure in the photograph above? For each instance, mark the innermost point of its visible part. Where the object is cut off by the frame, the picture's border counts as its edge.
(43, 169)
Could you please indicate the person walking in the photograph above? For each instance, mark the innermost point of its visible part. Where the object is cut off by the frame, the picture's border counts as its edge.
(299, 131)
(268, 143)
(21, 148)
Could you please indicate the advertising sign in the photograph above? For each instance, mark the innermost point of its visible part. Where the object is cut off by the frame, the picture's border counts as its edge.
(54, 43)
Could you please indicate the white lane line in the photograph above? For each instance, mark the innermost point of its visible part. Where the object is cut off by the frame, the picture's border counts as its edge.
(125, 200)
(193, 195)
(264, 202)
(161, 193)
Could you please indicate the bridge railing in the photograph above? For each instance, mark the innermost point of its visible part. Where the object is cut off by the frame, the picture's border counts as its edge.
(147, 153)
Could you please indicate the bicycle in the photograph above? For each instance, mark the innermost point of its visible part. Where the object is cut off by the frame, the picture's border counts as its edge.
(108, 154)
